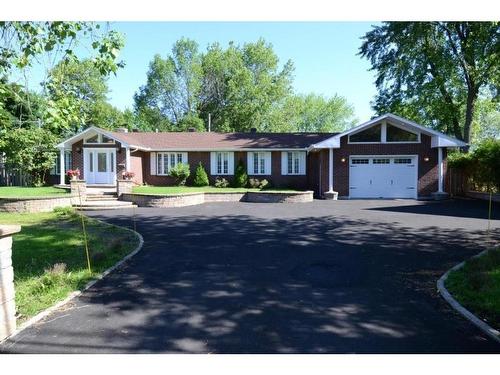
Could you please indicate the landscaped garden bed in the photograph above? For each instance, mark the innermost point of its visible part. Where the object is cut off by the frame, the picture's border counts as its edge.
(49, 260)
(476, 286)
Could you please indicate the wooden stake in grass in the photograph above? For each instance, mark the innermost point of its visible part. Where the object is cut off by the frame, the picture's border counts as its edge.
(84, 229)
(489, 214)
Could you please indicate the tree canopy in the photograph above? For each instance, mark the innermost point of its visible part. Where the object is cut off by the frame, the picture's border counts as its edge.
(241, 87)
(435, 72)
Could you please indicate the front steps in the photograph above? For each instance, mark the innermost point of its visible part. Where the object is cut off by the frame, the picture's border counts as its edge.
(102, 201)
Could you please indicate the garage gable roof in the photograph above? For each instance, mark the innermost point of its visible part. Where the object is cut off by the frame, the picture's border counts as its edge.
(438, 139)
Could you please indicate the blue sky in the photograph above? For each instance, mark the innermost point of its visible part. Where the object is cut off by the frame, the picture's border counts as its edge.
(324, 54)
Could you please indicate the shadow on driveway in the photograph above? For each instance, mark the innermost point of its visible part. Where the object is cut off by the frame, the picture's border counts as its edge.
(250, 278)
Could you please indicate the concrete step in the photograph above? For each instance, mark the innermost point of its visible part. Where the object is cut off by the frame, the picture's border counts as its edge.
(103, 205)
(101, 198)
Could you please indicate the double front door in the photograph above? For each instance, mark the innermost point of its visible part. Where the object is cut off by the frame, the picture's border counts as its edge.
(100, 165)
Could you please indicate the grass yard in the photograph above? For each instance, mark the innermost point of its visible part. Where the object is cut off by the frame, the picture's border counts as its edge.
(477, 286)
(162, 190)
(48, 256)
(21, 192)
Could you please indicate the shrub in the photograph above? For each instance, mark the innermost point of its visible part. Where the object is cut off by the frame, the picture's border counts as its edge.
(481, 165)
(57, 269)
(255, 183)
(263, 184)
(240, 176)
(221, 182)
(201, 177)
(180, 172)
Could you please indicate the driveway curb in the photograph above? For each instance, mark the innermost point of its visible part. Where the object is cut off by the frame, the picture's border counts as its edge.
(486, 328)
(41, 315)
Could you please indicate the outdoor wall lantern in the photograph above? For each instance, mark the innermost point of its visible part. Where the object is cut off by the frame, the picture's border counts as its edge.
(79, 150)
(342, 160)
(426, 158)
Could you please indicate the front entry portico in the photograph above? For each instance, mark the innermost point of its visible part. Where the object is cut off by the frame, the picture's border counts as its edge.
(99, 165)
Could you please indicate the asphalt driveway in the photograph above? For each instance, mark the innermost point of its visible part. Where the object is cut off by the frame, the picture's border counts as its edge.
(321, 277)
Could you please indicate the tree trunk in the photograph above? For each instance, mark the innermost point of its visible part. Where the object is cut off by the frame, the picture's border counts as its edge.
(469, 112)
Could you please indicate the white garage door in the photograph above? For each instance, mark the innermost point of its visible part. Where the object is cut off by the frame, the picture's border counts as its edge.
(383, 177)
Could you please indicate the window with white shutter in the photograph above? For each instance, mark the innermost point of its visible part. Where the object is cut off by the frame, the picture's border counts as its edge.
(293, 163)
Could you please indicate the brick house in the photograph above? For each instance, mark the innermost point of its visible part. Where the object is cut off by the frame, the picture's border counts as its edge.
(386, 157)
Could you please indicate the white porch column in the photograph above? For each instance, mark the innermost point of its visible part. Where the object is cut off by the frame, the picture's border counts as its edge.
(127, 159)
(440, 170)
(62, 167)
(330, 170)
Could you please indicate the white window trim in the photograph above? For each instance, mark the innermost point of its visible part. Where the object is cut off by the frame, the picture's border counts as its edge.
(159, 167)
(214, 167)
(302, 163)
(383, 135)
(266, 156)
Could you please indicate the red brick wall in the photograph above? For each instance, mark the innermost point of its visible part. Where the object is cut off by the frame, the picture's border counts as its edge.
(78, 157)
(194, 158)
(427, 170)
(136, 160)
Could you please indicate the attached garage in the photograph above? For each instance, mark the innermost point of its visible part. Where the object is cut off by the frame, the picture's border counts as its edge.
(383, 176)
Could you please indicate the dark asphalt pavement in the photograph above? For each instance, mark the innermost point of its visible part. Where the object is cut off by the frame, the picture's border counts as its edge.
(322, 277)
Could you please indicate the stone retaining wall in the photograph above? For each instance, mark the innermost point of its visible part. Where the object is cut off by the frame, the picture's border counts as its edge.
(295, 197)
(151, 200)
(35, 204)
(7, 293)
(190, 199)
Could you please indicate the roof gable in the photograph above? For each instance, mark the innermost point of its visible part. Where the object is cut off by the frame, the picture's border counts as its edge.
(438, 139)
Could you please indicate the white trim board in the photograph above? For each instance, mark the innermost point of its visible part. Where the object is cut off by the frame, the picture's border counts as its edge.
(438, 139)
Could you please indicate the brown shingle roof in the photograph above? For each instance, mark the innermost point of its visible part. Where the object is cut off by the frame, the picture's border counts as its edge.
(229, 141)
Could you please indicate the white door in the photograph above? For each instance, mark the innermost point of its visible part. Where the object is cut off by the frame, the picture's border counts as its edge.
(383, 177)
(100, 165)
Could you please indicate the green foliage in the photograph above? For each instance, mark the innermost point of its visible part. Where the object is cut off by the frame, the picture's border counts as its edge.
(221, 182)
(180, 172)
(29, 151)
(435, 72)
(481, 165)
(240, 175)
(312, 113)
(201, 177)
(255, 183)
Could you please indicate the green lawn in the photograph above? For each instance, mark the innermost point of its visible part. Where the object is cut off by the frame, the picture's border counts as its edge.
(53, 238)
(19, 192)
(477, 286)
(162, 190)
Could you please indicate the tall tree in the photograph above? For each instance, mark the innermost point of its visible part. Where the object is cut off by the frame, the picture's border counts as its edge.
(242, 85)
(313, 113)
(173, 85)
(435, 72)
(82, 84)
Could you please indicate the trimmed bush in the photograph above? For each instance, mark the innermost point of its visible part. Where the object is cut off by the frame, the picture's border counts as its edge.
(180, 172)
(240, 176)
(481, 166)
(201, 177)
(221, 182)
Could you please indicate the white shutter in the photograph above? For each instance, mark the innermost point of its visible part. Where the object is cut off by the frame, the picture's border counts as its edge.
(230, 163)
(267, 163)
(302, 163)
(185, 157)
(284, 163)
(213, 168)
(152, 163)
(250, 163)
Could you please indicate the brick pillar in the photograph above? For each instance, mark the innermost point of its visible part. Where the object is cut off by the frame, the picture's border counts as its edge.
(78, 187)
(7, 303)
(124, 187)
